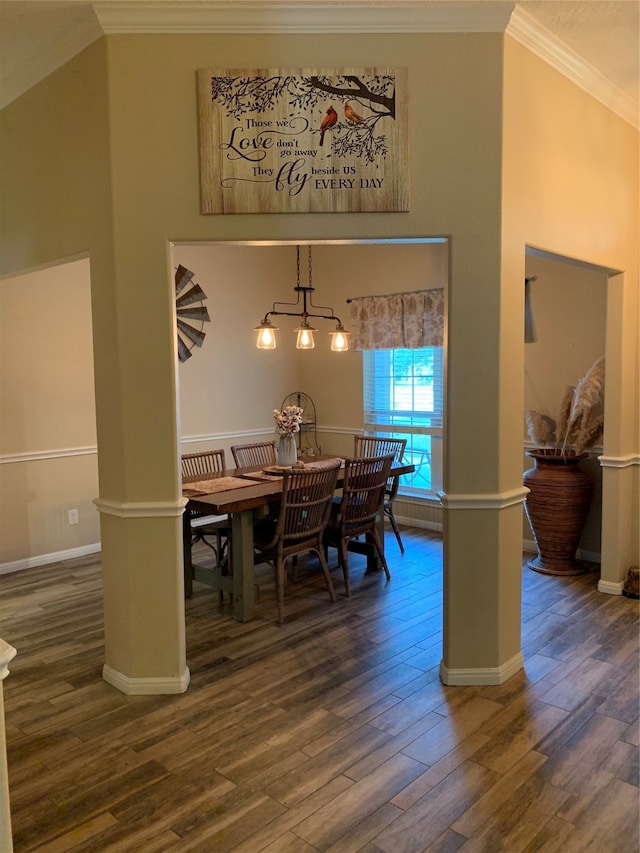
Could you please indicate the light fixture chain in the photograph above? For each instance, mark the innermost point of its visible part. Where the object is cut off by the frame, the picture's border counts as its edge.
(266, 336)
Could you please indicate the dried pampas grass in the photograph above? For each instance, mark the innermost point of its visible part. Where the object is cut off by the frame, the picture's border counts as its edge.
(586, 406)
(541, 428)
(581, 418)
(565, 411)
(590, 431)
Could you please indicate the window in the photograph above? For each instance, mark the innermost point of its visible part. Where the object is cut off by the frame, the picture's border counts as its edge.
(403, 398)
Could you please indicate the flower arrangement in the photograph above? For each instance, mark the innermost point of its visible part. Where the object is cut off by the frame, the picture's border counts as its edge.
(288, 420)
(581, 419)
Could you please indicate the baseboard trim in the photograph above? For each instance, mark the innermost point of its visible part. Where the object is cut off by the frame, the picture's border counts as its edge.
(145, 686)
(482, 675)
(610, 587)
(46, 559)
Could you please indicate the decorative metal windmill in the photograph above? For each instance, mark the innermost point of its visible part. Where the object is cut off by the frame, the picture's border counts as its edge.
(188, 335)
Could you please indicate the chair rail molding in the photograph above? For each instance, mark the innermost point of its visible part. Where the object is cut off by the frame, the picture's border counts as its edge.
(38, 455)
(227, 436)
(619, 461)
(484, 500)
(141, 509)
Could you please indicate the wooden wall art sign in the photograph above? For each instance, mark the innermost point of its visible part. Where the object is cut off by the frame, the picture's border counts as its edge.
(273, 141)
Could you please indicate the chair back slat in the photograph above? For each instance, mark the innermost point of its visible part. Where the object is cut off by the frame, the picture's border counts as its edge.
(306, 502)
(365, 480)
(368, 445)
(199, 464)
(251, 455)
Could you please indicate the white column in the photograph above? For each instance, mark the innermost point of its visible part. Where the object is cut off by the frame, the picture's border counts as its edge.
(7, 653)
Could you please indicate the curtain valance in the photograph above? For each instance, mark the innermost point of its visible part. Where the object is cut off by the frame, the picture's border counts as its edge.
(398, 320)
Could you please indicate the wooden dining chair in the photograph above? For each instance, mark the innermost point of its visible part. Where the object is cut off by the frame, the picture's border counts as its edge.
(304, 510)
(367, 445)
(252, 455)
(203, 466)
(357, 513)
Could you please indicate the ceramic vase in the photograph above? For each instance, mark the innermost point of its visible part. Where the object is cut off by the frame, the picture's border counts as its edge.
(557, 506)
(287, 450)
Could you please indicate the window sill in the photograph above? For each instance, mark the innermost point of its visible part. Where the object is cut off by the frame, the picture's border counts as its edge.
(411, 497)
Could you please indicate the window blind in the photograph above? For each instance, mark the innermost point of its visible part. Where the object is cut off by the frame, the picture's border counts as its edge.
(403, 390)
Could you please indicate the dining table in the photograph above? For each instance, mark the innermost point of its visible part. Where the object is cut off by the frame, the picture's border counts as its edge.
(247, 496)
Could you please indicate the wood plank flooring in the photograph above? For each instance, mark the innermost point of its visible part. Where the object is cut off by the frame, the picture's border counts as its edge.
(329, 733)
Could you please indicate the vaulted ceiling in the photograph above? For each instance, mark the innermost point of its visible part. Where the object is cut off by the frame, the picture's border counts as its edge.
(595, 43)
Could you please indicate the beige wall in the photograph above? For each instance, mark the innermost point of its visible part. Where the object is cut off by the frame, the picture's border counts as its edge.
(48, 457)
(570, 188)
(504, 153)
(55, 170)
(569, 304)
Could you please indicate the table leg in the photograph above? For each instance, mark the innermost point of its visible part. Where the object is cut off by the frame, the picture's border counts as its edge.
(242, 565)
(373, 561)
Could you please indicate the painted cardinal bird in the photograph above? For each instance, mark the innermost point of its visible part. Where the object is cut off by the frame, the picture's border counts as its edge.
(328, 121)
(351, 115)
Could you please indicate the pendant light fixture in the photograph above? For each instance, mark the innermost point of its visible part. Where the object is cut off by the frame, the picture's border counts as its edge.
(266, 330)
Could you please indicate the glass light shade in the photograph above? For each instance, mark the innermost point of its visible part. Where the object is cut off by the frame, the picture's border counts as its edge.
(339, 340)
(305, 337)
(266, 336)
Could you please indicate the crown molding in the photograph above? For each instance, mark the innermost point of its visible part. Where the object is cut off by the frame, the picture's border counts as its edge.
(320, 16)
(364, 16)
(528, 32)
(302, 16)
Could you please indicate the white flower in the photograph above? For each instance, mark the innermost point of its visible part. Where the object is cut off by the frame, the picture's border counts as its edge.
(288, 420)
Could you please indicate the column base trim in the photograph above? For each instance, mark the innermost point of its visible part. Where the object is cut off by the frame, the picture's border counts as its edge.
(610, 587)
(7, 654)
(145, 686)
(482, 675)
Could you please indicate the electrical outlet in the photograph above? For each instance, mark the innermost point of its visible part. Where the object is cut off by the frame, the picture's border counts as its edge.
(73, 516)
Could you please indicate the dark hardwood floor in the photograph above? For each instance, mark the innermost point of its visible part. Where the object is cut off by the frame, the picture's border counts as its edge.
(329, 733)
